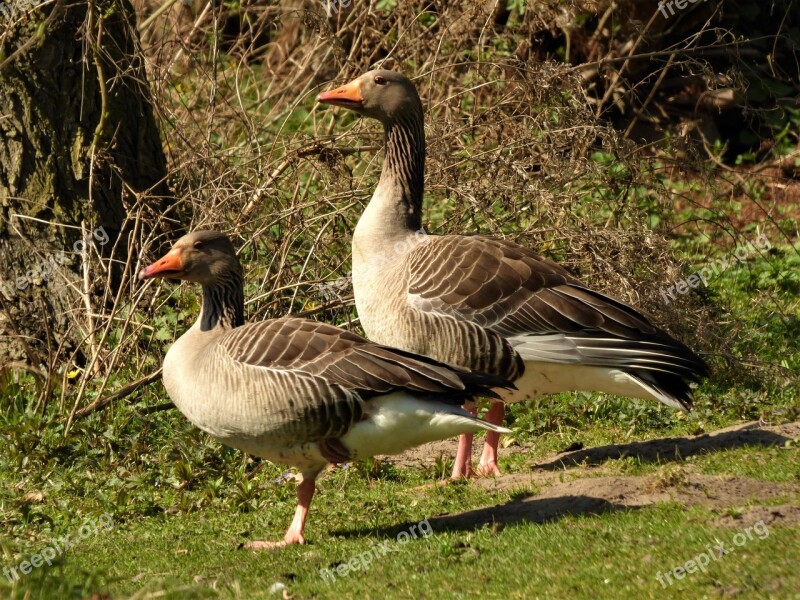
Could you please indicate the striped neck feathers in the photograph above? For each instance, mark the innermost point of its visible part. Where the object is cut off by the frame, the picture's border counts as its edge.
(402, 179)
(223, 303)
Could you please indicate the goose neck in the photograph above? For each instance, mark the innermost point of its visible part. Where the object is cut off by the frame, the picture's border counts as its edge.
(402, 179)
(223, 304)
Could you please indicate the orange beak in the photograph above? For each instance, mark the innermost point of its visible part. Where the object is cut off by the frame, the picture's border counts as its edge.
(348, 96)
(169, 265)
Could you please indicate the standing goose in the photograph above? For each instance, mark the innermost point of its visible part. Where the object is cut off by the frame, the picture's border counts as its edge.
(485, 303)
(296, 391)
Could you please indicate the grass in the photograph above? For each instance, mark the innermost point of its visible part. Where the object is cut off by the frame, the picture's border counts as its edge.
(620, 554)
(182, 506)
(619, 551)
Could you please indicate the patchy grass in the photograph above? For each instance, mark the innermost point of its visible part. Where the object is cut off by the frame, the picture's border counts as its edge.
(182, 506)
(621, 553)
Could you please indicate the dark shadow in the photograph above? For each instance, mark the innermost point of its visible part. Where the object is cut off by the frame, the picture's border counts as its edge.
(526, 506)
(523, 508)
(668, 449)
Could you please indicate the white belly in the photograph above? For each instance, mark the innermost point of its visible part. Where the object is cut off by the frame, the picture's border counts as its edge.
(399, 421)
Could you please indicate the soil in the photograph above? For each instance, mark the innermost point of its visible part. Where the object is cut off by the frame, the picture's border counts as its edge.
(578, 482)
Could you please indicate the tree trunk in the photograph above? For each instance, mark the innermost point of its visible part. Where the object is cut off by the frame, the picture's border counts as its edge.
(79, 147)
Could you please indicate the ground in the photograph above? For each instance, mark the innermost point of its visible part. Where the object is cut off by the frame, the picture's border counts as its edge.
(583, 481)
(604, 520)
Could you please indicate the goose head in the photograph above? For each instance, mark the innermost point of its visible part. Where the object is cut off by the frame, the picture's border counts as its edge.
(204, 257)
(384, 95)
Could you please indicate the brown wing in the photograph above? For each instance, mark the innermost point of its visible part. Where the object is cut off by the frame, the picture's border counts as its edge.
(349, 360)
(511, 290)
(304, 380)
(546, 314)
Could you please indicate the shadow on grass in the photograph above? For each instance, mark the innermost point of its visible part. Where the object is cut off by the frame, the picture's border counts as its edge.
(669, 449)
(594, 496)
(525, 507)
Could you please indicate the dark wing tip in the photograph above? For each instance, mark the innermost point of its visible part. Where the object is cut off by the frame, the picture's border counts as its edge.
(477, 383)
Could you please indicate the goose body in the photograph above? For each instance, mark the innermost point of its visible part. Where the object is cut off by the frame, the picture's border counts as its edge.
(501, 308)
(300, 392)
(487, 303)
(281, 409)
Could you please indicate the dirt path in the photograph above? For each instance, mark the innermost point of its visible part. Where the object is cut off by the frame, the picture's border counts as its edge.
(664, 449)
(577, 482)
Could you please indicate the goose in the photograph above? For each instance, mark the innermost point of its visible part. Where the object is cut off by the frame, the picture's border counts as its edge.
(301, 392)
(486, 303)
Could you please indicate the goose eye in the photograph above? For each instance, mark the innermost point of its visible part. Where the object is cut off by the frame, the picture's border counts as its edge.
(380, 80)
(197, 245)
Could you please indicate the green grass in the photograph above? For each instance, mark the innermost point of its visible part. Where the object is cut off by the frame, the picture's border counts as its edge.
(617, 554)
(182, 506)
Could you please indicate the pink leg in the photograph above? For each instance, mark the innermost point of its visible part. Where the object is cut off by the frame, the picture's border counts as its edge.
(488, 464)
(463, 464)
(294, 535)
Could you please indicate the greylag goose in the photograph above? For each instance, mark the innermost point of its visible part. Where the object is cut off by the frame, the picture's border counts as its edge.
(297, 391)
(485, 303)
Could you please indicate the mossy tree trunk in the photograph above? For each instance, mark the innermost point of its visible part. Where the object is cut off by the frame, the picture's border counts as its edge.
(79, 149)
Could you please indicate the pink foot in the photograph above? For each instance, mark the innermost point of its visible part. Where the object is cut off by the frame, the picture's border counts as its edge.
(462, 471)
(266, 545)
(489, 468)
(488, 464)
(294, 535)
(463, 464)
